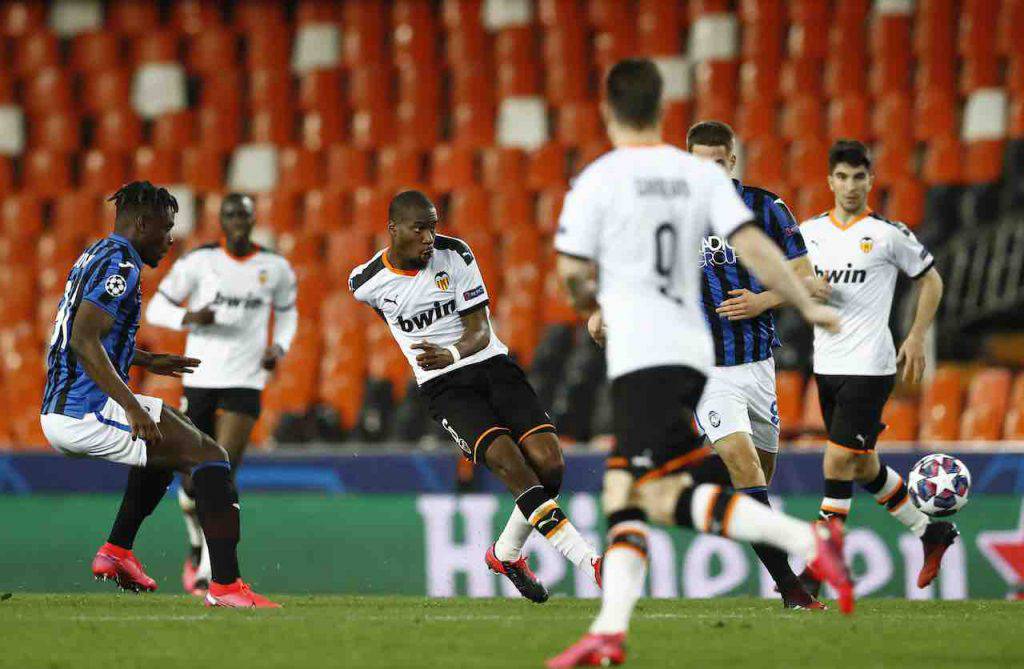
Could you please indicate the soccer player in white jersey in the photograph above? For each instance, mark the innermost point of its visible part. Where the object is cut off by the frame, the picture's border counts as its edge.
(429, 290)
(223, 295)
(860, 253)
(627, 241)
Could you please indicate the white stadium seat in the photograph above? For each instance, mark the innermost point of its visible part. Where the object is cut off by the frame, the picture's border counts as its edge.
(500, 14)
(12, 130)
(317, 46)
(71, 17)
(985, 115)
(714, 37)
(253, 168)
(894, 7)
(523, 122)
(159, 88)
(677, 73)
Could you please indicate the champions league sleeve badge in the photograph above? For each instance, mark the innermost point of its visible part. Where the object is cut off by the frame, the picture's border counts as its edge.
(115, 285)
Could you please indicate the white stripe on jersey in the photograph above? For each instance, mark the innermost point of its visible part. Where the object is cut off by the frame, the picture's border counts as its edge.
(427, 305)
(860, 261)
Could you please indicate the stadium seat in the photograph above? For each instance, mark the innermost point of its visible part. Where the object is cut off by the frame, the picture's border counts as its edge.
(943, 162)
(95, 51)
(977, 28)
(58, 132)
(613, 44)
(318, 130)
(194, 17)
(983, 161)
(890, 75)
(6, 175)
(156, 46)
(985, 412)
(275, 125)
(46, 173)
(35, 52)
(77, 213)
(893, 161)
(317, 45)
(848, 117)
(160, 166)
(277, 210)
(546, 167)
(567, 45)
(117, 130)
(467, 48)
(326, 210)
(255, 14)
(452, 167)
(371, 129)
(941, 405)
(1010, 37)
(579, 124)
(268, 47)
(270, 88)
(891, 116)
(348, 168)
(415, 34)
(759, 82)
(20, 17)
(906, 202)
(343, 251)
(763, 41)
(803, 117)
(203, 167)
(299, 170)
(765, 160)
(846, 74)
(218, 129)
(173, 131)
(107, 90)
(209, 51)
(102, 172)
(399, 168)
(1014, 425)
(223, 90)
(370, 213)
(808, 161)
(756, 118)
(813, 198)
(811, 421)
(900, 417)
(789, 387)
(549, 208)
(21, 216)
(46, 91)
(801, 76)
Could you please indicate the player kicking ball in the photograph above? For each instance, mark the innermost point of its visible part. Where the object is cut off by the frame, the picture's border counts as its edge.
(230, 288)
(89, 411)
(627, 240)
(429, 290)
(860, 254)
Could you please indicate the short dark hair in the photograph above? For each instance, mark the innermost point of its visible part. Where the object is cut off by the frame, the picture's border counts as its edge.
(633, 90)
(141, 198)
(851, 152)
(408, 205)
(237, 198)
(710, 133)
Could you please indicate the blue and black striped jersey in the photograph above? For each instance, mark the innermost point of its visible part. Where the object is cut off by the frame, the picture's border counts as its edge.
(741, 342)
(108, 275)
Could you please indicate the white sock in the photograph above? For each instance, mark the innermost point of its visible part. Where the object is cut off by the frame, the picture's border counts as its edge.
(894, 493)
(204, 572)
(746, 519)
(562, 535)
(188, 508)
(509, 545)
(624, 569)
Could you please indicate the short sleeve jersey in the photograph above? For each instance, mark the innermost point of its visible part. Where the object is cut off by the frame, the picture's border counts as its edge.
(640, 214)
(428, 304)
(860, 260)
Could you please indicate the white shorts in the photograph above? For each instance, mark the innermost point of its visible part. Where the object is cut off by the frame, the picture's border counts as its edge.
(741, 399)
(103, 434)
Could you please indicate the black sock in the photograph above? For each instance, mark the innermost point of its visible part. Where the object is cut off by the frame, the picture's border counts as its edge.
(713, 515)
(773, 559)
(837, 500)
(145, 489)
(217, 508)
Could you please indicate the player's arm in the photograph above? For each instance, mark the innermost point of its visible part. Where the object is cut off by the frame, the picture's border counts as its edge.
(476, 334)
(912, 352)
(579, 277)
(167, 307)
(90, 326)
(746, 304)
(286, 321)
(761, 256)
(164, 364)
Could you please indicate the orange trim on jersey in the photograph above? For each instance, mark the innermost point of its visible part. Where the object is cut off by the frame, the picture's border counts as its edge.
(675, 464)
(255, 248)
(892, 494)
(481, 438)
(711, 508)
(534, 429)
(838, 512)
(727, 516)
(403, 272)
(616, 463)
(853, 221)
(849, 448)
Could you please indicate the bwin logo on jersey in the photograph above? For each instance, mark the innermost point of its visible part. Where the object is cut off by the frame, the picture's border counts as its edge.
(425, 318)
(845, 275)
(716, 251)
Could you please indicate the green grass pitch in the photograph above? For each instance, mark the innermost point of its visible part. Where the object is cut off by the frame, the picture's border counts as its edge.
(123, 630)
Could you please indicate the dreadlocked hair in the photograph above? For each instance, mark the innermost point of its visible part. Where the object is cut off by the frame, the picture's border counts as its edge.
(141, 198)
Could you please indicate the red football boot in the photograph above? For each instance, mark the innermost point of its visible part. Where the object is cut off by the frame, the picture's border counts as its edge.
(196, 587)
(938, 536)
(828, 564)
(238, 595)
(520, 574)
(593, 650)
(113, 563)
(598, 575)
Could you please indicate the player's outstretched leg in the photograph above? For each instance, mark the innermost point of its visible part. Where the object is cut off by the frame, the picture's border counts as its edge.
(186, 449)
(537, 507)
(115, 561)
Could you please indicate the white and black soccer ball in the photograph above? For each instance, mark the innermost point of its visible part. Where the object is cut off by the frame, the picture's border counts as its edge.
(939, 484)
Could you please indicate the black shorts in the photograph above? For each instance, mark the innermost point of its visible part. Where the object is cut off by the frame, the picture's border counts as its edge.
(653, 420)
(852, 408)
(481, 402)
(202, 404)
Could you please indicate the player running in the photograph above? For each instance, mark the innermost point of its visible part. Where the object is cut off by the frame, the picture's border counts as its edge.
(626, 238)
(429, 290)
(738, 411)
(231, 289)
(859, 253)
(89, 411)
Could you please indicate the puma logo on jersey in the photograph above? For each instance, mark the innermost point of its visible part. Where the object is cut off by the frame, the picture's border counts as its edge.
(426, 318)
(847, 275)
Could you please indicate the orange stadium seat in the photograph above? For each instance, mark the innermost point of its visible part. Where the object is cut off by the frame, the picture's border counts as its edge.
(846, 74)
(984, 162)
(935, 28)
(891, 116)
(348, 167)
(893, 161)
(906, 202)
(46, 173)
(47, 90)
(365, 29)
(370, 213)
(474, 124)
(57, 132)
(807, 41)
(157, 46)
(977, 27)
(95, 51)
(203, 168)
(218, 129)
(415, 35)
(106, 90)
(19, 17)
(546, 167)
(416, 127)
(985, 413)
(326, 210)
(941, 405)
(675, 121)
(468, 209)
(900, 418)
(173, 131)
(763, 41)
(549, 208)
(801, 76)
(222, 90)
(209, 50)
(161, 166)
(759, 82)
(34, 52)
(789, 388)
(811, 421)
(942, 162)
(117, 130)
(518, 79)
(399, 167)
(298, 169)
(848, 117)
(268, 46)
(765, 160)
(803, 117)
(813, 198)
(277, 210)
(889, 75)
(472, 85)
(131, 17)
(321, 90)
(319, 130)
(194, 17)
(1010, 37)
(981, 72)
(270, 88)
(1015, 75)
(938, 75)
(1014, 426)
(659, 27)
(452, 167)
(579, 123)
(889, 36)
(77, 211)
(102, 172)
(6, 175)
(756, 118)
(275, 125)
(554, 13)
(808, 161)
(254, 14)
(468, 47)
(371, 129)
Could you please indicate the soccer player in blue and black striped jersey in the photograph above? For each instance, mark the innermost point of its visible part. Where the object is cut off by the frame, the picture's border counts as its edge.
(89, 410)
(738, 411)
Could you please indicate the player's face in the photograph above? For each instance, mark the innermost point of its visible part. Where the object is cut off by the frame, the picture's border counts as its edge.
(156, 240)
(237, 219)
(851, 186)
(719, 155)
(413, 240)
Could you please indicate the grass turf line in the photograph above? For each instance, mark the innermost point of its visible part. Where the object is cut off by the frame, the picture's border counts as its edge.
(125, 630)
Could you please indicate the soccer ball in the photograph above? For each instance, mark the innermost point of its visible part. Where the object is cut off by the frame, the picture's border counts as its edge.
(939, 484)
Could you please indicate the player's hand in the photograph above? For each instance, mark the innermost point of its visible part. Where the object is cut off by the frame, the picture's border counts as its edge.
(822, 316)
(743, 305)
(433, 356)
(270, 357)
(166, 364)
(911, 356)
(596, 328)
(143, 426)
(203, 316)
(818, 287)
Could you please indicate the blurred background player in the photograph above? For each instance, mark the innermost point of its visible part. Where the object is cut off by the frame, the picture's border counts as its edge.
(859, 254)
(89, 411)
(738, 410)
(627, 241)
(429, 290)
(230, 290)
